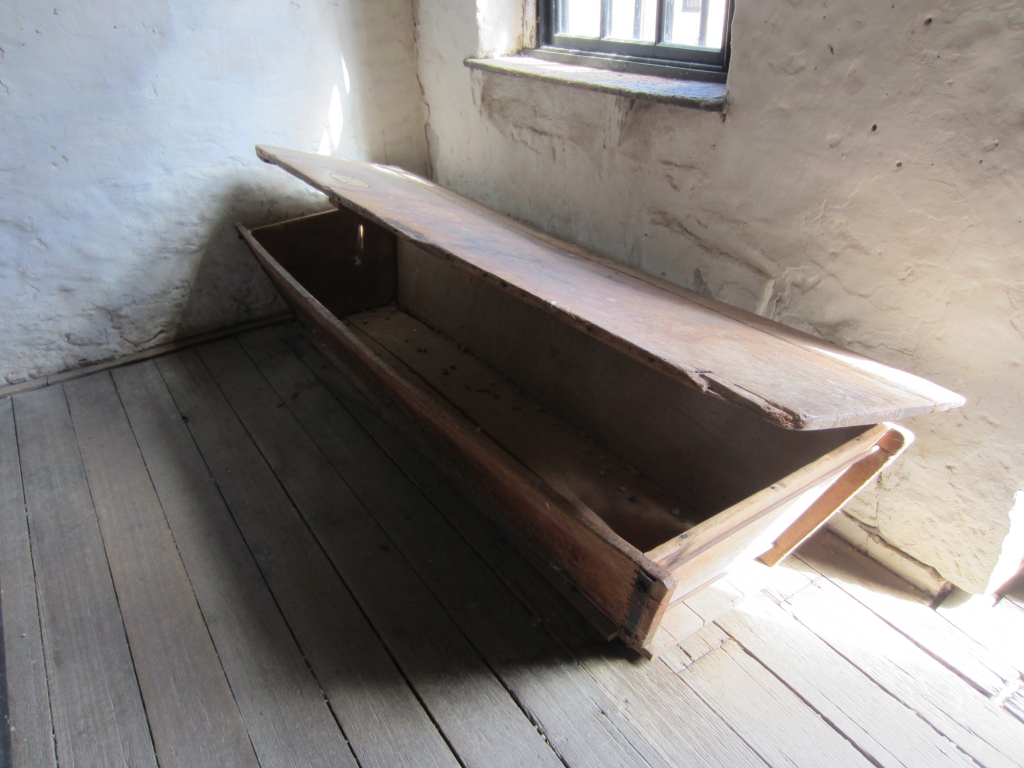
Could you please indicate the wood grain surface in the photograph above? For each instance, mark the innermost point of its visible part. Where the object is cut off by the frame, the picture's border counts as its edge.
(789, 383)
(98, 715)
(31, 727)
(909, 612)
(717, 676)
(881, 725)
(381, 716)
(280, 700)
(575, 465)
(951, 705)
(192, 716)
(605, 705)
(479, 718)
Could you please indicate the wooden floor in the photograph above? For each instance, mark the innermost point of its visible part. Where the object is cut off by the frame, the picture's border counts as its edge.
(228, 556)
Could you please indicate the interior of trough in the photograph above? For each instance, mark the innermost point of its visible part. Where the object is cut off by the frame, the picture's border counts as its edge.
(650, 456)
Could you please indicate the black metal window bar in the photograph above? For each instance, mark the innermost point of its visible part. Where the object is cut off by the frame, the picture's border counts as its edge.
(691, 34)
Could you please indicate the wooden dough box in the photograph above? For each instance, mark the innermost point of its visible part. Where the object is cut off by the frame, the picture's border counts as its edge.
(647, 442)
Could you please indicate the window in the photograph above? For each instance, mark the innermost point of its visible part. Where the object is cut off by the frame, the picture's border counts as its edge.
(679, 38)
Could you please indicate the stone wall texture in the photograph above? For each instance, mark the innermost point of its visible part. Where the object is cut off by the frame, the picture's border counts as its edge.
(865, 186)
(127, 157)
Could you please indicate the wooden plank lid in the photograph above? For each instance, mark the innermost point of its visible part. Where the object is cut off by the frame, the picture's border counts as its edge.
(790, 378)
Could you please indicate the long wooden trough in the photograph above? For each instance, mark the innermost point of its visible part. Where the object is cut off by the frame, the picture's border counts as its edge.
(645, 441)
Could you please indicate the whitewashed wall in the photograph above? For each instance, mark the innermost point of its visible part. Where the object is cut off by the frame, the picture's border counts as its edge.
(866, 186)
(127, 155)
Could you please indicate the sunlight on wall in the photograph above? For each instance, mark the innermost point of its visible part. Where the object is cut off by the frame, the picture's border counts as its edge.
(335, 122)
(1009, 562)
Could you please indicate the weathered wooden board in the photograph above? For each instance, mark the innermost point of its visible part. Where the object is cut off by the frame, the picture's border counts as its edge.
(192, 716)
(667, 724)
(909, 611)
(478, 717)
(998, 627)
(381, 716)
(31, 727)
(714, 600)
(683, 439)
(633, 506)
(881, 726)
(678, 622)
(348, 263)
(284, 710)
(98, 715)
(951, 705)
(603, 565)
(753, 701)
(693, 647)
(542, 678)
(788, 383)
(676, 719)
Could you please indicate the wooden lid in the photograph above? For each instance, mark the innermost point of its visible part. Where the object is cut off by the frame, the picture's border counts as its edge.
(790, 378)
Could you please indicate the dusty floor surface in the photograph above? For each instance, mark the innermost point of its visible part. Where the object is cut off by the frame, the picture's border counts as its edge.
(228, 556)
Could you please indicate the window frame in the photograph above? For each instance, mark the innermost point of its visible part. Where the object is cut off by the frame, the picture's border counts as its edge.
(660, 58)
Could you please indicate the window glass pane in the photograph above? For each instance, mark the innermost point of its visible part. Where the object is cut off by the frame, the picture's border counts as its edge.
(633, 19)
(716, 24)
(579, 18)
(697, 23)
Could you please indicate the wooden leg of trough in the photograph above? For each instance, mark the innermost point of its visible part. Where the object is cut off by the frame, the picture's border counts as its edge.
(889, 446)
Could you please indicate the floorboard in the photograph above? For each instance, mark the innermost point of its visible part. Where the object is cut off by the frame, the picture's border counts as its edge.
(531, 665)
(31, 728)
(238, 555)
(192, 716)
(480, 719)
(953, 707)
(381, 716)
(720, 675)
(98, 716)
(998, 627)
(662, 714)
(694, 647)
(908, 611)
(885, 729)
(280, 700)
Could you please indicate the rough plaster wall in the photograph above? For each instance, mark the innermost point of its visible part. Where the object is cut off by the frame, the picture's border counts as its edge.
(865, 186)
(128, 155)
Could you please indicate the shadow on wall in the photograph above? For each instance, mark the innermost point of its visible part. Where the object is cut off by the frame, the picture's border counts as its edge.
(197, 275)
(129, 132)
(227, 285)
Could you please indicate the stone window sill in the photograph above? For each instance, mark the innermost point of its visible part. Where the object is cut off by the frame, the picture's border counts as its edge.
(693, 94)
